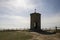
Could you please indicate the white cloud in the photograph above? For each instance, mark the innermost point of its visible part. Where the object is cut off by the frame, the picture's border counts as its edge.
(18, 4)
(51, 21)
(16, 7)
(12, 8)
(14, 22)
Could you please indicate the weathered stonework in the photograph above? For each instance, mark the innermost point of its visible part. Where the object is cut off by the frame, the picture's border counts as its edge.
(35, 21)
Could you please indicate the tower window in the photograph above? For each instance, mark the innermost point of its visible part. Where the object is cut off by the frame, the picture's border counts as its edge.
(34, 24)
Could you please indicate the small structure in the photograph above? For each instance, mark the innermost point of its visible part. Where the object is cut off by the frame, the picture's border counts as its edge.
(35, 21)
(56, 28)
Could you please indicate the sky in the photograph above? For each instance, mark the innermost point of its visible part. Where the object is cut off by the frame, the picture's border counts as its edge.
(15, 14)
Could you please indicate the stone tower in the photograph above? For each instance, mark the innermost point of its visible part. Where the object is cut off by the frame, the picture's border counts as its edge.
(35, 21)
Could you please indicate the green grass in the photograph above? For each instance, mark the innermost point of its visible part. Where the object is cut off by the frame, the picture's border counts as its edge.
(15, 35)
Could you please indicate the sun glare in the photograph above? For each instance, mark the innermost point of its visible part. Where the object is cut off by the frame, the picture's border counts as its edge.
(22, 4)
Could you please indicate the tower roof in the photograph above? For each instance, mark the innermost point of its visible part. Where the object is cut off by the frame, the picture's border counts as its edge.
(35, 12)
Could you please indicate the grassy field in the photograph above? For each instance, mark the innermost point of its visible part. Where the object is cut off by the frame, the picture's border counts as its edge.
(25, 35)
(15, 35)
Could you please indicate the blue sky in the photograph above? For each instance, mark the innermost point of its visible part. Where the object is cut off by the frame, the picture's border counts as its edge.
(16, 13)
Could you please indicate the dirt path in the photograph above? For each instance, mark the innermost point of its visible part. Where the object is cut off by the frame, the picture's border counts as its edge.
(37, 36)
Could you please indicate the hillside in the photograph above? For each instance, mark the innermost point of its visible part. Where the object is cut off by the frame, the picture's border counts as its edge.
(24, 35)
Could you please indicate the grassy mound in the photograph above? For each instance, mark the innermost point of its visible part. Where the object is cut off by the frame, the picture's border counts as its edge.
(25, 35)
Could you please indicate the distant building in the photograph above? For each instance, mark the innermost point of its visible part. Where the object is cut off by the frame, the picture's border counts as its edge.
(35, 21)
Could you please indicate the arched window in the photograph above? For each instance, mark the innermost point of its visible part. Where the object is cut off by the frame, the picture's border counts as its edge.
(35, 25)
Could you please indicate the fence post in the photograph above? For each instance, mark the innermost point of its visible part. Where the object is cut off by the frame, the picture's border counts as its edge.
(56, 28)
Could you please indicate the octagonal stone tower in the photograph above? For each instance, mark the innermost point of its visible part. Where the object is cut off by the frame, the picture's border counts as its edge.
(35, 21)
